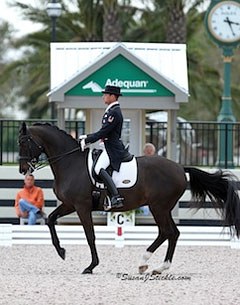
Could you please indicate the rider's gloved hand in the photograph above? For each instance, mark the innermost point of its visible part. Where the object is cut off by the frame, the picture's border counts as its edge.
(82, 144)
(82, 137)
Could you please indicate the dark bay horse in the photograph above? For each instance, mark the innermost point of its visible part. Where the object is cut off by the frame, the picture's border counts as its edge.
(160, 184)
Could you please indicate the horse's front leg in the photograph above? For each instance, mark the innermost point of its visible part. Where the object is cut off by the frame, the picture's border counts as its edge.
(87, 223)
(60, 211)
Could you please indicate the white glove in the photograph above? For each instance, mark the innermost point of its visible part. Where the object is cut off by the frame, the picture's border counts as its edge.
(101, 144)
(82, 137)
(82, 144)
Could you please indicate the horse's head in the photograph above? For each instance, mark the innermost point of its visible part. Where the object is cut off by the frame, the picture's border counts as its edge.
(29, 150)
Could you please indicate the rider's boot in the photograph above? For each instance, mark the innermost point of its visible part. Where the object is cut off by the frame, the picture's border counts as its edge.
(116, 199)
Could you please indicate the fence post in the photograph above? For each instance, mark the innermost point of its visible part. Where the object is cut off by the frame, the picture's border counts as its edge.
(226, 145)
(5, 235)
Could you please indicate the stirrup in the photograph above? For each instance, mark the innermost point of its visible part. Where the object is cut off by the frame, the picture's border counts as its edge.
(108, 205)
(117, 201)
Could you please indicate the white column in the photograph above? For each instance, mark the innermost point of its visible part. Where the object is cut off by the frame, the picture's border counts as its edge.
(172, 149)
(171, 135)
(61, 118)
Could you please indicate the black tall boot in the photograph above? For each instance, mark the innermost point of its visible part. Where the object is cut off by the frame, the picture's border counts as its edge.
(116, 200)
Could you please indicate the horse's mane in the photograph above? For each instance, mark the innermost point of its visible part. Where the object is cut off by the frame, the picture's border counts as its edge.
(63, 132)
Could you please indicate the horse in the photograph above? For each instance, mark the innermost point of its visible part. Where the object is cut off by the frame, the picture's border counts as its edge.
(160, 183)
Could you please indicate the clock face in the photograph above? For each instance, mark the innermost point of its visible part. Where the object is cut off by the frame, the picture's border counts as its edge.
(224, 21)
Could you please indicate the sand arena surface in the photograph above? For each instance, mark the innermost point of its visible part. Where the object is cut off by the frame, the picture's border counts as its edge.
(36, 275)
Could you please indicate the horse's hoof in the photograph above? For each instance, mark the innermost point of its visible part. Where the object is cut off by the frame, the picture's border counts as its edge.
(142, 269)
(62, 253)
(87, 271)
(164, 266)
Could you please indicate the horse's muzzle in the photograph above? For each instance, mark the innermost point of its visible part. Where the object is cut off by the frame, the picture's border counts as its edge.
(25, 168)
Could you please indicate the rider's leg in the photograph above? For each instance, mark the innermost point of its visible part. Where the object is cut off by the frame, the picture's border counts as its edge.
(100, 168)
(102, 162)
(116, 200)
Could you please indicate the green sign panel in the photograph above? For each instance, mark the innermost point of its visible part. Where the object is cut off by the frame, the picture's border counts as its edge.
(122, 73)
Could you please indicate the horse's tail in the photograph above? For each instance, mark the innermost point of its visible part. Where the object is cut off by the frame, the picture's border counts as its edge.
(221, 188)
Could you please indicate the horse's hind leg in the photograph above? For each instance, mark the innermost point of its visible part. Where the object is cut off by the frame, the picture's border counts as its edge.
(172, 241)
(60, 211)
(167, 230)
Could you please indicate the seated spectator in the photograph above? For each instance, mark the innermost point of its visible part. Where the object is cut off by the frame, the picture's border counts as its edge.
(149, 149)
(30, 201)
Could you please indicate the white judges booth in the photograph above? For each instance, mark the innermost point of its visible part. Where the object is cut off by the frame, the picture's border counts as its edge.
(152, 76)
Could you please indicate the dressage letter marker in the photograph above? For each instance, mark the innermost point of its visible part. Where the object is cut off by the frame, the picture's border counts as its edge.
(119, 223)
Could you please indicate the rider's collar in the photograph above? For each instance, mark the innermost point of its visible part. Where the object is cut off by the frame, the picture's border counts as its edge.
(111, 105)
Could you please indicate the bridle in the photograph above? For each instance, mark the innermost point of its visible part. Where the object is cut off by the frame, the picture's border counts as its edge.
(34, 148)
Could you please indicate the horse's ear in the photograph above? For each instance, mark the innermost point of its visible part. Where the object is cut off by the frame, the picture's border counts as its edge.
(23, 128)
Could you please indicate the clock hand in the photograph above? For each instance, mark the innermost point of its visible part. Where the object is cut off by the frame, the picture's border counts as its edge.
(230, 21)
(230, 24)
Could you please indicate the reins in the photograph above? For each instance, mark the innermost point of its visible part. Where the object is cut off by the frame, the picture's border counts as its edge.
(32, 161)
(55, 159)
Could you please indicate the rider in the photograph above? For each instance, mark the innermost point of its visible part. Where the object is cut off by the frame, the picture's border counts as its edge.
(110, 134)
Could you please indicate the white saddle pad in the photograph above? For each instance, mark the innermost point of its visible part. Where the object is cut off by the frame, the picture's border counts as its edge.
(125, 178)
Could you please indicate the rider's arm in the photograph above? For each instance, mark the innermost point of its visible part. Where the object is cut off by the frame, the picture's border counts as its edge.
(110, 123)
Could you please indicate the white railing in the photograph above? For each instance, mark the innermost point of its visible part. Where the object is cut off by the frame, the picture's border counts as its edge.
(109, 235)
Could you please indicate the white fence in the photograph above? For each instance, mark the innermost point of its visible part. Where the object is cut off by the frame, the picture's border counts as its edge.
(107, 235)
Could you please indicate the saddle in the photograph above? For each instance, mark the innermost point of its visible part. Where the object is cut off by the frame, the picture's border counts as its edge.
(126, 177)
(96, 154)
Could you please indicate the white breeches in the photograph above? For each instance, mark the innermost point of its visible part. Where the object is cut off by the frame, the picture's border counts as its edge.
(102, 162)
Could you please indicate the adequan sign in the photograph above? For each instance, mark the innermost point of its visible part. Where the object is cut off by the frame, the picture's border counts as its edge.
(123, 73)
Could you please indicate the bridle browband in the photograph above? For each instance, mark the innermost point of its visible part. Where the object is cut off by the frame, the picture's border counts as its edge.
(32, 160)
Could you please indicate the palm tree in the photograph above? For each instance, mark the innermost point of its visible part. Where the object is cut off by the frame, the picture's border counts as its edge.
(176, 21)
(88, 19)
(9, 90)
(112, 20)
(33, 65)
(112, 27)
(84, 24)
(175, 15)
(181, 22)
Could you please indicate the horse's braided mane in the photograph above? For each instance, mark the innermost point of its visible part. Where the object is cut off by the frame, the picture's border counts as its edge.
(56, 128)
